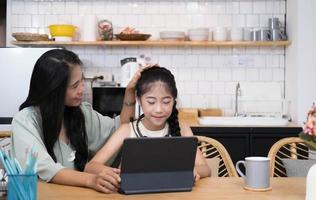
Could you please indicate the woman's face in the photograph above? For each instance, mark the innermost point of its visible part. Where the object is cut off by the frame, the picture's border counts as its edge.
(75, 87)
(157, 106)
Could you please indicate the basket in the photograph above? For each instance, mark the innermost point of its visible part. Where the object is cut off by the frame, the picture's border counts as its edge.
(30, 36)
(133, 36)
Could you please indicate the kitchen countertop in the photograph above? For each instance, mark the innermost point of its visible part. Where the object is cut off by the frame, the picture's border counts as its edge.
(194, 123)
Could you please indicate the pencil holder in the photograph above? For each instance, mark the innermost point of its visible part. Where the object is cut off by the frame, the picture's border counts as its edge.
(22, 187)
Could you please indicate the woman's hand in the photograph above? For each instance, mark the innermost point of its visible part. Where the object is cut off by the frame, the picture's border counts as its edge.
(107, 181)
(128, 109)
(132, 83)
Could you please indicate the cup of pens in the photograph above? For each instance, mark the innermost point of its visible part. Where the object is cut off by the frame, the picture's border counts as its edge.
(22, 186)
(22, 183)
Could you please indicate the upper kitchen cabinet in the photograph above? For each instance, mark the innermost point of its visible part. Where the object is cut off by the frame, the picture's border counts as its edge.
(157, 43)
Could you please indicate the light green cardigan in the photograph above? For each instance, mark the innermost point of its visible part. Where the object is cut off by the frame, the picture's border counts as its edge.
(27, 133)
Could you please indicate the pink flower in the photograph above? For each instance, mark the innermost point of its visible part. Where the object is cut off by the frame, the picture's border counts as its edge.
(310, 125)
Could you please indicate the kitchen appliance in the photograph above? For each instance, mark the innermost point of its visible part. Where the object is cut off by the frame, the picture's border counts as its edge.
(16, 66)
(129, 67)
(108, 100)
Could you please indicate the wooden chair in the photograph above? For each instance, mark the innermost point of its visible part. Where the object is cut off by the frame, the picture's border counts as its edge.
(292, 148)
(4, 134)
(211, 148)
(5, 142)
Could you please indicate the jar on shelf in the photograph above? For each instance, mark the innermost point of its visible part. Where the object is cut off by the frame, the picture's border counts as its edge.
(105, 30)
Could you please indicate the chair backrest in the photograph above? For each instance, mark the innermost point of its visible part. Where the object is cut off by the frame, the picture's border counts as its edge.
(211, 148)
(290, 148)
(4, 134)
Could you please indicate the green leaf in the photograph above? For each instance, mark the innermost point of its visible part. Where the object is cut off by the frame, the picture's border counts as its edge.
(309, 140)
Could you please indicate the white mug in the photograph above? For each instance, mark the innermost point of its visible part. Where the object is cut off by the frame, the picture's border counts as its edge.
(257, 172)
(247, 34)
(236, 34)
(220, 34)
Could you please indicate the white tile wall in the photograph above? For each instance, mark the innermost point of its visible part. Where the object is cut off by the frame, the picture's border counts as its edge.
(206, 77)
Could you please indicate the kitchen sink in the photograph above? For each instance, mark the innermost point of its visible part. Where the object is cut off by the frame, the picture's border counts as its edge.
(243, 121)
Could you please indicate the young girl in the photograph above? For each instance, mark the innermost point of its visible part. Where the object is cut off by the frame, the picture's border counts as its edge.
(156, 92)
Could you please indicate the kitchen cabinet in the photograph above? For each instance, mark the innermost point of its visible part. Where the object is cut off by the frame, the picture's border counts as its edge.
(241, 142)
(156, 43)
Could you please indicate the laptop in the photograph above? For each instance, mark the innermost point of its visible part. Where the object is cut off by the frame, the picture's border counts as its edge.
(163, 164)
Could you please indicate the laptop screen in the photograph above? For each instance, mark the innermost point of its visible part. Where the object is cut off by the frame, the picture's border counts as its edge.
(148, 163)
(158, 154)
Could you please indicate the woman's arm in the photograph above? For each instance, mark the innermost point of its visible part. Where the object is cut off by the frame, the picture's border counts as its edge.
(128, 108)
(107, 181)
(26, 134)
(201, 168)
(113, 145)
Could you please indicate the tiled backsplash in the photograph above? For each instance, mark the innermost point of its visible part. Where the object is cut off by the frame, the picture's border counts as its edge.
(206, 77)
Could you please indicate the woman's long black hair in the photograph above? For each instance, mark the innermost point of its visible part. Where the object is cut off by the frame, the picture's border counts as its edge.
(48, 87)
(152, 75)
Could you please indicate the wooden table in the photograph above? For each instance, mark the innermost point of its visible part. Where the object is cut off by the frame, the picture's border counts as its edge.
(208, 188)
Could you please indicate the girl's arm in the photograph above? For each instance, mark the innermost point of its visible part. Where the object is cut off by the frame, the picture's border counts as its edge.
(200, 167)
(113, 145)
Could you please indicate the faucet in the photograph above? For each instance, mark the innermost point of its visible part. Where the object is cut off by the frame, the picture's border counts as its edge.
(237, 93)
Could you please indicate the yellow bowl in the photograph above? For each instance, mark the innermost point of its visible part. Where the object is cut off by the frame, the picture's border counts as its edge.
(62, 30)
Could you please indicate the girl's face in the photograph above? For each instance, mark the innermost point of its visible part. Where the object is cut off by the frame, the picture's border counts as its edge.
(75, 87)
(157, 106)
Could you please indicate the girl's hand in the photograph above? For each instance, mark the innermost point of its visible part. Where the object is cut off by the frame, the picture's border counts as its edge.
(107, 181)
(132, 83)
(196, 175)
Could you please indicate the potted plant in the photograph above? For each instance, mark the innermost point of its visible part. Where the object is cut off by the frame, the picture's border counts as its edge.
(308, 135)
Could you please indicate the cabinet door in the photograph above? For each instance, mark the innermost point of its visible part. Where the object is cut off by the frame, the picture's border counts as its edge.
(262, 139)
(235, 140)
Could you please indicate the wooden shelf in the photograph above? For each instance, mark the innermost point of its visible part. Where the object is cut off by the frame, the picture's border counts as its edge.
(156, 43)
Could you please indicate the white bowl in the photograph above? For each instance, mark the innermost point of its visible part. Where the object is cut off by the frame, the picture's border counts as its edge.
(198, 37)
(63, 39)
(172, 35)
(198, 31)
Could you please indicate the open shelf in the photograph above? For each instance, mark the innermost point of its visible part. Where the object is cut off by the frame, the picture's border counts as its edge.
(156, 43)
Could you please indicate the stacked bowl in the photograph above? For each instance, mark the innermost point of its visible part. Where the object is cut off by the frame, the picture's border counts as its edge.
(172, 35)
(198, 34)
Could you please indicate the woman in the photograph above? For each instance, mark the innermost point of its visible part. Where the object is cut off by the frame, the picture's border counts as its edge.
(156, 93)
(65, 131)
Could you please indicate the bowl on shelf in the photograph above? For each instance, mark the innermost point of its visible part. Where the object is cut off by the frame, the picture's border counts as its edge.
(172, 35)
(28, 37)
(62, 32)
(198, 34)
(133, 36)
